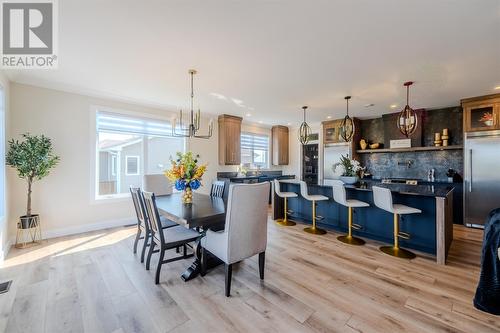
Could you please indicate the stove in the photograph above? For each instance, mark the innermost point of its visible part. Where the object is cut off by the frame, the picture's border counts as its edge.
(400, 181)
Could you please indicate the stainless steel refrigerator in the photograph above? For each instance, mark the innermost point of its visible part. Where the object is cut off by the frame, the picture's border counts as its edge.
(482, 176)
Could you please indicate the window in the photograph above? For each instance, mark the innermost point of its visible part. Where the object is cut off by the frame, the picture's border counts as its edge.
(131, 165)
(2, 153)
(129, 147)
(255, 150)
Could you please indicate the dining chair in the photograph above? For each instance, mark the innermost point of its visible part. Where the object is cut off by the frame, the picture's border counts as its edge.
(158, 184)
(217, 189)
(245, 231)
(143, 224)
(165, 239)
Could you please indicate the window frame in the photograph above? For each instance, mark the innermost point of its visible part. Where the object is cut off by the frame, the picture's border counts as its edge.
(138, 159)
(253, 165)
(94, 197)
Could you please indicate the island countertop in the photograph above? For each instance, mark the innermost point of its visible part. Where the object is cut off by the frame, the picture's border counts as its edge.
(428, 190)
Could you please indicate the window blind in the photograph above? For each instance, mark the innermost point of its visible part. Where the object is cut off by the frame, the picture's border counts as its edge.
(254, 141)
(114, 122)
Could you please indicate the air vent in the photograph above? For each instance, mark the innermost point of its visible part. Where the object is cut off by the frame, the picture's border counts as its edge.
(5, 286)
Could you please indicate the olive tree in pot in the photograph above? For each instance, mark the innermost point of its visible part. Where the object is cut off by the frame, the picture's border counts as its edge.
(32, 158)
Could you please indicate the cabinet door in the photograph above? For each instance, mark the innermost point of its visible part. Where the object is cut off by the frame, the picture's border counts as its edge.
(233, 139)
(331, 132)
(481, 117)
(284, 147)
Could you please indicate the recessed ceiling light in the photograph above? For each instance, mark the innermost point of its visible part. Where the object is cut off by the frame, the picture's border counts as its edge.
(288, 124)
(369, 105)
(497, 88)
(393, 106)
(329, 117)
(248, 114)
(260, 121)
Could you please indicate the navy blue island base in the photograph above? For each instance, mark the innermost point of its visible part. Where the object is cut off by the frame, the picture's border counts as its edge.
(430, 232)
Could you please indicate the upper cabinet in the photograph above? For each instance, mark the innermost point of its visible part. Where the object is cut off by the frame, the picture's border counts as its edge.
(229, 140)
(481, 113)
(331, 131)
(280, 145)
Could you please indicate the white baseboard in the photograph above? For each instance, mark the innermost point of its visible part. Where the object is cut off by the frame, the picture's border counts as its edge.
(74, 230)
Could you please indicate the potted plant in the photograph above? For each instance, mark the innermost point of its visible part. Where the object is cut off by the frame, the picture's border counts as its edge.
(186, 174)
(347, 169)
(32, 158)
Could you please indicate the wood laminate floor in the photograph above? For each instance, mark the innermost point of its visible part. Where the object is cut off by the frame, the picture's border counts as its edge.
(93, 283)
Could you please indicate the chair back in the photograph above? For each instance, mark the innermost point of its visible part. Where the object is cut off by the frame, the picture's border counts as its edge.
(217, 189)
(339, 193)
(158, 184)
(246, 220)
(135, 192)
(277, 187)
(382, 197)
(153, 215)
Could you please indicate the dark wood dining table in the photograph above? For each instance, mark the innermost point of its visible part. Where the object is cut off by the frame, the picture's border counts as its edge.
(205, 212)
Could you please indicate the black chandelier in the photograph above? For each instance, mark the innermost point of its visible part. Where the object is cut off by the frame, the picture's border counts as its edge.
(191, 130)
(407, 118)
(304, 129)
(347, 127)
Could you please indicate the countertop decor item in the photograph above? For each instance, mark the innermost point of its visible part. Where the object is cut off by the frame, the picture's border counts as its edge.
(186, 174)
(347, 127)
(304, 129)
(363, 144)
(375, 145)
(407, 118)
(191, 130)
(348, 169)
(33, 158)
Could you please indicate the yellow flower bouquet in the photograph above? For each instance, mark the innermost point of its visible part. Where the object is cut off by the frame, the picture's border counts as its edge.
(186, 174)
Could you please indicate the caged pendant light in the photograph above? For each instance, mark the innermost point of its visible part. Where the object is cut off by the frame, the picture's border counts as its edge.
(347, 127)
(304, 129)
(407, 118)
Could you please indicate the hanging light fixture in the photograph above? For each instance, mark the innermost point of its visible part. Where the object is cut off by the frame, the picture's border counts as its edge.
(347, 126)
(407, 119)
(191, 130)
(304, 129)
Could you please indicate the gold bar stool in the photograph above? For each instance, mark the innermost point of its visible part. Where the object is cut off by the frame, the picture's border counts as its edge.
(285, 195)
(313, 198)
(383, 200)
(339, 195)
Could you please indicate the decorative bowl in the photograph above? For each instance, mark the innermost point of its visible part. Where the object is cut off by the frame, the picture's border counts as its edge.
(349, 180)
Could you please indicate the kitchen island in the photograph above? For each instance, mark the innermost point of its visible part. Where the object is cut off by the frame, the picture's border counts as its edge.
(430, 231)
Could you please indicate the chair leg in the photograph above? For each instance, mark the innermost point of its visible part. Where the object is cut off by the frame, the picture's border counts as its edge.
(229, 273)
(313, 229)
(184, 250)
(137, 236)
(144, 246)
(349, 238)
(177, 250)
(203, 262)
(262, 261)
(158, 268)
(150, 253)
(395, 250)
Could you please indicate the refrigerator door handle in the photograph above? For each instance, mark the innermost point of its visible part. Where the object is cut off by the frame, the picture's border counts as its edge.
(470, 170)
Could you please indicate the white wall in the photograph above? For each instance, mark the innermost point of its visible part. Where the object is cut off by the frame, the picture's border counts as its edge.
(64, 199)
(4, 233)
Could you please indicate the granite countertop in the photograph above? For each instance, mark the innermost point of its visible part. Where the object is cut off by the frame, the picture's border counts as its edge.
(437, 190)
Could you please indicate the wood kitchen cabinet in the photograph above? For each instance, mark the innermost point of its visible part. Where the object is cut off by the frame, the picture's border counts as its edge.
(481, 113)
(229, 140)
(280, 145)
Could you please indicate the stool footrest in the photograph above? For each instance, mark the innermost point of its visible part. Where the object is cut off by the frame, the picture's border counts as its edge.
(319, 218)
(290, 212)
(357, 226)
(404, 235)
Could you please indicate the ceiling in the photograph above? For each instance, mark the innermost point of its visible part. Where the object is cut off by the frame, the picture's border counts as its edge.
(268, 58)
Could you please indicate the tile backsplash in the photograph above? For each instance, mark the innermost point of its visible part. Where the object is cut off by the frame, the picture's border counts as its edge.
(395, 165)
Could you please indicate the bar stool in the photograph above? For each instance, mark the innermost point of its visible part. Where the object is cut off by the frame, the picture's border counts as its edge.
(339, 195)
(313, 198)
(285, 195)
(383, 200)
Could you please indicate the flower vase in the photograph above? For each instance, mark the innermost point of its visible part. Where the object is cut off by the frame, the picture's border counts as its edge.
(187, 196)
(349, 180)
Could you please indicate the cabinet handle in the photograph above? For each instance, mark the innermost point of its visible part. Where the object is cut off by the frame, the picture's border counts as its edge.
(470, 170)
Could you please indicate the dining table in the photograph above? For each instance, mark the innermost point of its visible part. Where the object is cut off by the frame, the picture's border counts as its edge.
(203, 213)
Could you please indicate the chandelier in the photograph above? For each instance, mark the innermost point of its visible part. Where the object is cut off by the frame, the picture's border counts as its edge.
(304, 129)
(347, 126)
(191, 130)
(407, 118)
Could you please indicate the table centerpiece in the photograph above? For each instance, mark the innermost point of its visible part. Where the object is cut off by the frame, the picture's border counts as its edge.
(186, 174)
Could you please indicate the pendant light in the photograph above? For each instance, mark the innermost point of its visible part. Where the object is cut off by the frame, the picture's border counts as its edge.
(347, 127)
(304, 129)
(407, 118)
(191, 130)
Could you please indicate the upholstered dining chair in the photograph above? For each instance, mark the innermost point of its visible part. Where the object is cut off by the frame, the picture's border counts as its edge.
(143, 225)
(165, 239)
(245, 231)
(157, 183)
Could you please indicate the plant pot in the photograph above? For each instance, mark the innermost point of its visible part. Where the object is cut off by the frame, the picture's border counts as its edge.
(349, 180)
(28, 221)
